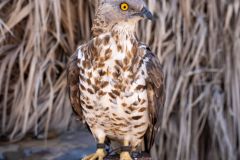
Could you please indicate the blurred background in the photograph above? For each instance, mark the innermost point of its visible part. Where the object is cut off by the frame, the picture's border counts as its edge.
(198, 43)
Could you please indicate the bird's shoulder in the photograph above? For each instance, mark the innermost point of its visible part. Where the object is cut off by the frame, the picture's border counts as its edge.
(153, 65)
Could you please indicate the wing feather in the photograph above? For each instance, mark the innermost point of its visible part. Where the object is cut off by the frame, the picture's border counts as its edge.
(156, 92)
(73, 84)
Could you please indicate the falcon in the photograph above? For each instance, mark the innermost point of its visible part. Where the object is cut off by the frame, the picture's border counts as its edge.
(115, 82)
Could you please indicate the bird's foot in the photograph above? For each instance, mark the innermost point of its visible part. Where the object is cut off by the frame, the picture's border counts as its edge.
(125, 156)
(99, 155)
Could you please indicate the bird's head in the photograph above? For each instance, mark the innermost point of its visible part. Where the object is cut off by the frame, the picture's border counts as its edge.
(120, 14)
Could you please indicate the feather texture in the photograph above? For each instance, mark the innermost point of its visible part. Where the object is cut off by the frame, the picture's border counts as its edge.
(156, 95)
(73, 82)
(119, 78)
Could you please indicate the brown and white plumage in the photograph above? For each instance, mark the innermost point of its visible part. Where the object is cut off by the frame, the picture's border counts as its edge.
(116, 83)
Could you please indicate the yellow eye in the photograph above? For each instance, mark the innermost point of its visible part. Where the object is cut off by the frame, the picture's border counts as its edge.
(124, 6)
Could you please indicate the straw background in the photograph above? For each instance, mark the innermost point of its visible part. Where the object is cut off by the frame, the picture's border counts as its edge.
(198, 42)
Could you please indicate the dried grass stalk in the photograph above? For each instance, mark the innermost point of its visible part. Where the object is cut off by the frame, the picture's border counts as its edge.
(197, 41)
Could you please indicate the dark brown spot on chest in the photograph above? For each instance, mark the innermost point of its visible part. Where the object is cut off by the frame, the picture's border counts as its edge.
(106, 40)
(119, 63)
(101, 93)
(96, 88)
(89, 81)
(86, 64)
(140, 87)
(89, 74)
(131, 108)
(140, 125)
(136, 117)
(101, 65)
(124, 104)
(142, 109)
(101, 72)
(90, 91)
(82, 87)
(104, 84)
(89, 107)
(112, 95)
(117, 93)
(119, 48)
(108, 52)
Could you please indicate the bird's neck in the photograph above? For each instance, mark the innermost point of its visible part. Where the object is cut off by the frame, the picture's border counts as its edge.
(124, 29)
(99, 26)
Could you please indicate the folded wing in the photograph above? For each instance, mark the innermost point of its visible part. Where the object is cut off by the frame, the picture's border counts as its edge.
(155, 90)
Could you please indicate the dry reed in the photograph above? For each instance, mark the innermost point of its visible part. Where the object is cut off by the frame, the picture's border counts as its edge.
(197, 41)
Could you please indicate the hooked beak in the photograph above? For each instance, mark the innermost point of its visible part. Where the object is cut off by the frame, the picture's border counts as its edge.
(145, 13)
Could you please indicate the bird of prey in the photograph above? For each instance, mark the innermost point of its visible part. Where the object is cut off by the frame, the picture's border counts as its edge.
(116, 82)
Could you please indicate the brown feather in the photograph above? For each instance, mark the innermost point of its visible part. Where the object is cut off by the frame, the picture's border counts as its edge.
(155, 91)
(73, 84)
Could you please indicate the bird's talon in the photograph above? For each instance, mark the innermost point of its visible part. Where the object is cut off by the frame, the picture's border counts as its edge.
(99, 155)
(125, 156)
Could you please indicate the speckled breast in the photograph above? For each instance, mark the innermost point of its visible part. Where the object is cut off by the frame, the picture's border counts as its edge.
(113, 88)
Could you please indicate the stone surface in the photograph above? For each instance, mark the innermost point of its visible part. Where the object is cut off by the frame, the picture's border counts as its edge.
(138, 156)
(71, 145)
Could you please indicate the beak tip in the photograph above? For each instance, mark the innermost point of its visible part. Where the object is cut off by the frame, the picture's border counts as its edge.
(150, 17)
(147, 14)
